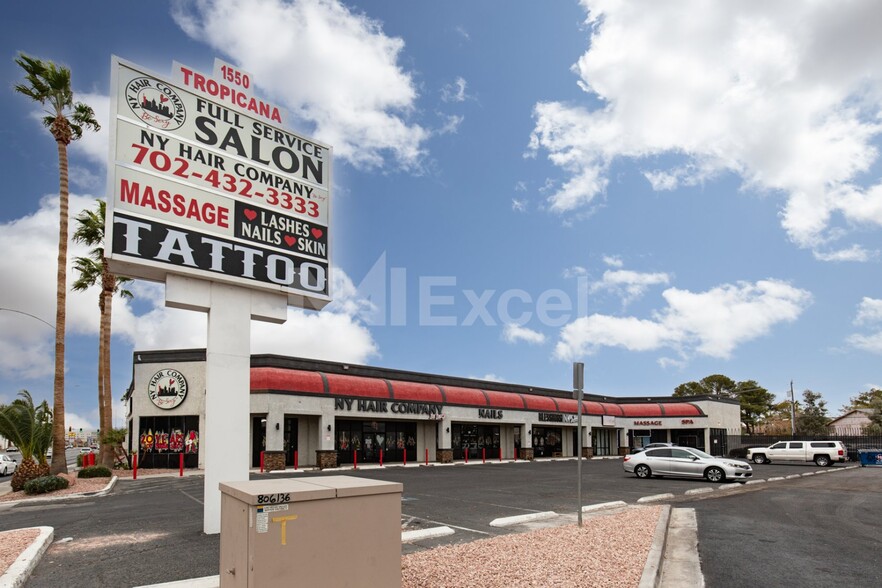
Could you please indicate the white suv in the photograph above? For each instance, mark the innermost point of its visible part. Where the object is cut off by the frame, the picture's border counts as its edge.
(823, 453)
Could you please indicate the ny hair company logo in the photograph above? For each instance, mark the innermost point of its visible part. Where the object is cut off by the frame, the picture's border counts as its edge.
(156, 103)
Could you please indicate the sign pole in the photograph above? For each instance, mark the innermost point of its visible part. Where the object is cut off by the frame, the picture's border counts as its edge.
(578, 384)
(227, 377)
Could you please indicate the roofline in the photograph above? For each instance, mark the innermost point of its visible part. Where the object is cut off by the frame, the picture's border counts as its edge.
(336, 367)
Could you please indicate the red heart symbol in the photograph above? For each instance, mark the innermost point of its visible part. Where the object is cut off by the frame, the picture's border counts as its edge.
(250, 214)
(317, 233)
(290, 240)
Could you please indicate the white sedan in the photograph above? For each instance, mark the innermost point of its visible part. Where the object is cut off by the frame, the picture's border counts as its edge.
(686, 462)
(7, 465)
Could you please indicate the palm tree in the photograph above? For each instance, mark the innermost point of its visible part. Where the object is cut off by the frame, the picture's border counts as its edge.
(92, 270)
(29, 427)
(49, 84)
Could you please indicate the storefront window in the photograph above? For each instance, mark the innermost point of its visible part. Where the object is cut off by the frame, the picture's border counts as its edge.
(164, 439)
(363, 440)
(547, 441)
(475, 440)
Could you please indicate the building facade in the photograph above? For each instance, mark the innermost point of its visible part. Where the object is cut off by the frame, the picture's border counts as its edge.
(325, 414)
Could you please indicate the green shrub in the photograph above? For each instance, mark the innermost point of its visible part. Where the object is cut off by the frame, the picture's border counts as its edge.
(45, 484)
(80, 460)
(97, 471)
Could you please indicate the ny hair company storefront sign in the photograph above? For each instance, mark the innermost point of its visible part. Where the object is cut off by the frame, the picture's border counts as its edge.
(207, 183)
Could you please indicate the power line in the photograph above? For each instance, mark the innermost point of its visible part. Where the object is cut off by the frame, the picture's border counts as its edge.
(30, 315)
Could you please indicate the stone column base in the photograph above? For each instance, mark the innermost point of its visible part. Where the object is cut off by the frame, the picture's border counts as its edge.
(623, 451)
(444, 456)
(273, 461)
(525, 453)
(588, 452)
(325, 459)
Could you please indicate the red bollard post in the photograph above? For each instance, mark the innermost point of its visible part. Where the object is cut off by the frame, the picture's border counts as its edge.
(354, 460)
(516, 453)
(500, 454)
(91, 459)
(295, 459)
(405, 456)
(182, 465)
(135, 467)
(483, 455)
(466, 454)
(427, 456)
(381, 458)
(261, 462)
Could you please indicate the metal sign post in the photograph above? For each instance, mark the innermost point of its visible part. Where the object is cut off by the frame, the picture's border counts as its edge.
(578, 385)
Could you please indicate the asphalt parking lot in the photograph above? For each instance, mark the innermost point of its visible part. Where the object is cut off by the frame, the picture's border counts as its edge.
(149, 530)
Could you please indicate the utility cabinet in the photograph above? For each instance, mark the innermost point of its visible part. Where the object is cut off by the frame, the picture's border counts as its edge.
(339, 531)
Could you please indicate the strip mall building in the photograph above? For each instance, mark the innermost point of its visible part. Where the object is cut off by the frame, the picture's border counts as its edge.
(327, 414)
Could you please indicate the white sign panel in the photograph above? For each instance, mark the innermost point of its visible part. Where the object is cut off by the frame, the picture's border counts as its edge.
(208, 184)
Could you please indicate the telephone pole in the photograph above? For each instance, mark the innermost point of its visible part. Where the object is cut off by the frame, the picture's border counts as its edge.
(792, 417)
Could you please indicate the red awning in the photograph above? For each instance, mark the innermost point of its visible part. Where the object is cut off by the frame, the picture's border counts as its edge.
(306, 382)
(416, 392)
(340, 385)
(279, 379)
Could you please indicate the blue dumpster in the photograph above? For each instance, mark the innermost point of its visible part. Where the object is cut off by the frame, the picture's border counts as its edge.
(870, 457)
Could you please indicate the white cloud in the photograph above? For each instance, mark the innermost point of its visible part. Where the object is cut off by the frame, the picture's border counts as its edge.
(711, 323)
(869, 314)
(79, 422)
(455, 92)
(613, 261)
(491, 378)
(871, 343)
(514, 333)
(335, 334)
(630, 285)
(94, 145)
(27, 345)
(574, 272)
(329, 65)
(853, 253)
(451, 124)
(519, 205)
(869, 311)
(785, 94)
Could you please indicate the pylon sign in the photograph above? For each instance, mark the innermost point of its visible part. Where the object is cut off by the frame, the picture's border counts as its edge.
(208, 183)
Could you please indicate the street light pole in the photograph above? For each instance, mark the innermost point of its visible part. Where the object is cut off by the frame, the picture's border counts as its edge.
(792, 418)
(578, 385)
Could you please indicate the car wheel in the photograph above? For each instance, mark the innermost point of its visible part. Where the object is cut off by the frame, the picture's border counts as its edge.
(643, 471)
(715, 474)
(822, 461)
(759, 458)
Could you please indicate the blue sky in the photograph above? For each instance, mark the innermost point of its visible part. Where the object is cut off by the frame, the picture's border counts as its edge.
(662, 190)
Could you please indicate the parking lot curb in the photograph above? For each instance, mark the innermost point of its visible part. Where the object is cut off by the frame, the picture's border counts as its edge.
(104, 491)
(420, 534)
(204, 582)
(755, 482)
(775, 479)
(652, 568)
(20, 570)
(792, 476)
(699, 491)
(526, 518)
(604, 505)
(655, 497)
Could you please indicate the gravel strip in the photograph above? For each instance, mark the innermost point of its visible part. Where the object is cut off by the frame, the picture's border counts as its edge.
(81, 485)
(12, 544)
(607, 551)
